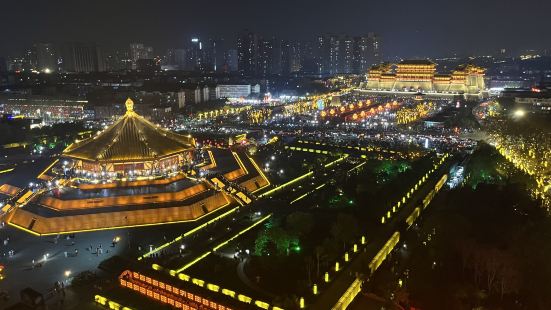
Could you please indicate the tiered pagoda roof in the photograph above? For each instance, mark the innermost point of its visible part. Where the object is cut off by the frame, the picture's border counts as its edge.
(130, 138)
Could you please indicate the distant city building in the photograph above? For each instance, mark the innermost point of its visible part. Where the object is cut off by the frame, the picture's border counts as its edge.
(46, 57)
(175, 59)
(265, 57)
(347, 62)
(29, 60)
(202, 56)
(50, 110)
(322, 55)
(195, 56)
(118, 60)
(535, 99)
(16, 64)
(308, 58)
(535, 104)
(286, 56)
(233, 91)
(366, 53)
(181, 99)
(496, 85)
(342, 54)
(420, 75)
(230, 61)
(214, 54)
(328, 55)
(147, 65)
(291, 57)
(374, 55)
(179, 58)
(277, 54)
(247, 53)
(81, 57)
(335, 55)
(140, 51)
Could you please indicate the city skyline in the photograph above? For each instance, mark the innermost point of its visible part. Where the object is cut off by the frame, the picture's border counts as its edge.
(473, 28)
(252, 56)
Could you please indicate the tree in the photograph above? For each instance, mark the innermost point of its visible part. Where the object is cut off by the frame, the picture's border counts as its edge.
(345, 228)
(282, 240)
(508, 277)
(319, 253)
(309, 265)
(300, 223)
(261, 243)
(493, 263)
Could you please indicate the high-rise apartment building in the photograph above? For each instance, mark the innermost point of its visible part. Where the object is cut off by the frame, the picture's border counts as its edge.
(117, 60)
(81, 57)
(46, 57)
(265, 57)
(347, 55)
(202, 55)
(291, 57)
(140, 51)
(321, 54)
(230, 61)
(247, 53)
(342, 54)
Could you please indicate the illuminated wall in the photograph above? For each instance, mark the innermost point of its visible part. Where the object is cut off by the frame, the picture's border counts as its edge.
(165, 293)
(23, 219)
(59, 204)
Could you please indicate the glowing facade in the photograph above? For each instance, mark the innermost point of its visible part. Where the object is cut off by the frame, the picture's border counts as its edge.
(131, 147)
(421, 75)
(133, 173)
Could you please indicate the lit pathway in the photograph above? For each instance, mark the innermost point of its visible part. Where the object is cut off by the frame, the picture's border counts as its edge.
(243, 277)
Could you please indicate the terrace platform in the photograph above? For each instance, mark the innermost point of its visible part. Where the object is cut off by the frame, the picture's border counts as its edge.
(77, 207)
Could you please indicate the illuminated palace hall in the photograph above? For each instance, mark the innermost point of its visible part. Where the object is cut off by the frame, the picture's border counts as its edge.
(421, 75)
(131, 147)
(134, 173)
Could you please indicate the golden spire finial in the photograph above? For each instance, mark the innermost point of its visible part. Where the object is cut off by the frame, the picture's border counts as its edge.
(129, 105)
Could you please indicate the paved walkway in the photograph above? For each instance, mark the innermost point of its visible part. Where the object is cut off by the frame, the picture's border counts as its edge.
(243, 277)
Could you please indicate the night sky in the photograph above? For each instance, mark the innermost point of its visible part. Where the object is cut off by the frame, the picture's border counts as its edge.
(407, 28)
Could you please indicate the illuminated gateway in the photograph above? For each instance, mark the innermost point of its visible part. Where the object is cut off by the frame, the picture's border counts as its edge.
(133, 173)
(420, 75)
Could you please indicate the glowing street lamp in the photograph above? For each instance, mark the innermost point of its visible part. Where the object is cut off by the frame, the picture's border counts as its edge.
(519, 113)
